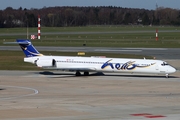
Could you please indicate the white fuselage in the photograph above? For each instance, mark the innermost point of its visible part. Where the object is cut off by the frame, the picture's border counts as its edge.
(83, 64)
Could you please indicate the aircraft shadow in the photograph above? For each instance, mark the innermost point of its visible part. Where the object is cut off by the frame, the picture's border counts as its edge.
(66, 75)
(143, 76)
(2, 89)
(52, 73)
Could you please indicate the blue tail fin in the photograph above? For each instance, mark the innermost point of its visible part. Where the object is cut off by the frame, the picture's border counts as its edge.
(28, 49)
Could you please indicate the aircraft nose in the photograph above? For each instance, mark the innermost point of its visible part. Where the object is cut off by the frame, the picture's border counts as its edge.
(172, 70)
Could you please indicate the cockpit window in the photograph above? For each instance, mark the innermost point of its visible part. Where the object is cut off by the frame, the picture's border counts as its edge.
(164, 63)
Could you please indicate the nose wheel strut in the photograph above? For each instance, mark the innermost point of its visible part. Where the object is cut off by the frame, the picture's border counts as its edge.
(167, 75)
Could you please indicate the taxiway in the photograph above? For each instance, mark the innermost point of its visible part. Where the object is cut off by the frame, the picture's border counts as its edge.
(38, 95)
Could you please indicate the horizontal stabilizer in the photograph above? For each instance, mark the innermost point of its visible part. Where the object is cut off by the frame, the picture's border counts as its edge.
(18, 42)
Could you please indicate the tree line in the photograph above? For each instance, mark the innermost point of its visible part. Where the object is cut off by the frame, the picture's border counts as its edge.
(83, 16)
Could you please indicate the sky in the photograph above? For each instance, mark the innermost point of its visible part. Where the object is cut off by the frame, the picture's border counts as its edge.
(143, 4)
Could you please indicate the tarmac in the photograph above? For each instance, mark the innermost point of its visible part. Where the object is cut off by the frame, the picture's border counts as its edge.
(56, 95)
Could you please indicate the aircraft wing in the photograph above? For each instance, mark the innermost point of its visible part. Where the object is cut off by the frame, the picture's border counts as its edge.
(72, 69)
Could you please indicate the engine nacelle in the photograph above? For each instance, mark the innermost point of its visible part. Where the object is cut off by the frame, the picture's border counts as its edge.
(46, 63)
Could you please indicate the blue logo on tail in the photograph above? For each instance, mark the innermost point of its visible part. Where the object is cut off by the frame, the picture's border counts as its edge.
(28, 49)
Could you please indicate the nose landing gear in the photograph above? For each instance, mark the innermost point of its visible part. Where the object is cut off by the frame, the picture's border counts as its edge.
(167, 75)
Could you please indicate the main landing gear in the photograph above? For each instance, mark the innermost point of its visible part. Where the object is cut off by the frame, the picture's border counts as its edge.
(79, 74)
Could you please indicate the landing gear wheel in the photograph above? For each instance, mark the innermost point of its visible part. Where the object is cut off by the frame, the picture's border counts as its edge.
(78, 73)
(167, 75)
(86, 73)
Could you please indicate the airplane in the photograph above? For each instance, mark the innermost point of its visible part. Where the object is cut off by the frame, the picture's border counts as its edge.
(93, 64)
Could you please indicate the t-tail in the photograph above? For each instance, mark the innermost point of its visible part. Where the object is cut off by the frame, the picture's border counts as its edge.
(28, 49)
